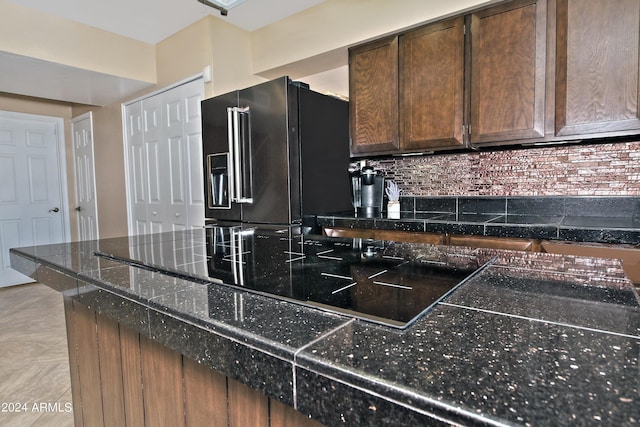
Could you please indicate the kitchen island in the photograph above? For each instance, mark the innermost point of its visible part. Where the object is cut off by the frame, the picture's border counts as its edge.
(524, 339)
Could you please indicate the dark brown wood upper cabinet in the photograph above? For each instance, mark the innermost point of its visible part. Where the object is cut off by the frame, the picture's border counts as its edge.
(407, 92)
(597, 67)
(373, 96)
(525, 72)
(508, 70)
(432, 86)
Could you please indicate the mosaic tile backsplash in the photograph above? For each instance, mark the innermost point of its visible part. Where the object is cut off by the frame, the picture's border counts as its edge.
(569, 170)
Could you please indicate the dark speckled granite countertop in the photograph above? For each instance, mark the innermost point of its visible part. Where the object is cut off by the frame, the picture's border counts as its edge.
(532, 339)
(580, 218)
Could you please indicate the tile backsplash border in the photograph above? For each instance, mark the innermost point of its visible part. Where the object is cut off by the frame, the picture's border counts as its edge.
(604, 169)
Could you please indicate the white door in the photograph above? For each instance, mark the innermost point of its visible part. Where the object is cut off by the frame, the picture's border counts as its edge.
(164, 160)
(84, 167)
(33, 197)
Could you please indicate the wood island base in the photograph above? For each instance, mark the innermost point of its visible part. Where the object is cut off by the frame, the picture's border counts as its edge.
(122, 378)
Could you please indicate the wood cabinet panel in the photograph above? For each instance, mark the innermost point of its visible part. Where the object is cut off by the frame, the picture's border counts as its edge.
(131, 377)
(205, 395)
(285, 416)
(509, 243)
(508, 71)
(247, 407)
(88, 365)
(598, 44)
(350, 233)
(431, 86)
(397, 235)
(373, 103)
(110, 371)
(72, 344)
(532, 71)
(411, 237)
(162, 383)
(629, 255)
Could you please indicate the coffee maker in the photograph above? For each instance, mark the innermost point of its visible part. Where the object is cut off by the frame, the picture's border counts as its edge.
(367, 189)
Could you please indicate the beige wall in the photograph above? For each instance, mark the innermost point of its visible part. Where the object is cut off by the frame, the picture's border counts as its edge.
(184, 54)
(209, 42)
(320, 33)
(232, 57)
(66, 42)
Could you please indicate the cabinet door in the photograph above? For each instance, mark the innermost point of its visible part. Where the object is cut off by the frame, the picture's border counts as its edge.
(373, 96)
(431, 86)
(597, 67)
(508, 48)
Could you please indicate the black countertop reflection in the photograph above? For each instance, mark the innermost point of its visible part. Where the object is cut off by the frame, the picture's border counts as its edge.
(364, 279)
(531, 339)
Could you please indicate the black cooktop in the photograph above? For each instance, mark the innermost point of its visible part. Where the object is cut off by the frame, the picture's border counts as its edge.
(366, 279)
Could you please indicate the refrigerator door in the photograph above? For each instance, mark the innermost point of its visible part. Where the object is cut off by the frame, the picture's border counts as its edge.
(218, 162)
(268, 130)
(324, 141)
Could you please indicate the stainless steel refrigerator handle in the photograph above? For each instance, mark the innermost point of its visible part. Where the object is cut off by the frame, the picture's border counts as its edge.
(243, 151)
(230, 136)
(237, 154)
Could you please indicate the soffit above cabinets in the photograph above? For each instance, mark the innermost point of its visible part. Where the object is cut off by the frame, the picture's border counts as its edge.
(43, 79)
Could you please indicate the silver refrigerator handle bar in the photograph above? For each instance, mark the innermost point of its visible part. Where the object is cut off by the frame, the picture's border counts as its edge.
(231, 130)
(236, 153)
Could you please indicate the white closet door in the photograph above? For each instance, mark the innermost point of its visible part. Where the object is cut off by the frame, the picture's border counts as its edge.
(165, 178)
(192, 96)
(84, 167)
(155, 168)
(136, 169)
(174, 157)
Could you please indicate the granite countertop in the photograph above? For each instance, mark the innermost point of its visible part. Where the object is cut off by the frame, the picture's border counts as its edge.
(531, 339)
(582, 219)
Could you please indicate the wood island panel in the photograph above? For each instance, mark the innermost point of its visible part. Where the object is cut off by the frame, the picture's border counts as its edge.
(140, 382)
(88, 359)
(110, 371)
(162, 384)
(281, 415)
(76, 399)
(205, 395)
(247, 407)
(132, 377)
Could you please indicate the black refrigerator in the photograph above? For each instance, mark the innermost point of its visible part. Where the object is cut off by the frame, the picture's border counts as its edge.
(275, 153)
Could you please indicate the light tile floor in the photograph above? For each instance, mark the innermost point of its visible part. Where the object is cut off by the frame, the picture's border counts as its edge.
(34, 361)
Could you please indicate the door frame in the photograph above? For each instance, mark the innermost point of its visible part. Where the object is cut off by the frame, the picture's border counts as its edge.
(123, 108)
(74, 120)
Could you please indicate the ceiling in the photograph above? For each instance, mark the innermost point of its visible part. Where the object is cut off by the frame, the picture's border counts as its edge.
(147, 21)
(152, 21)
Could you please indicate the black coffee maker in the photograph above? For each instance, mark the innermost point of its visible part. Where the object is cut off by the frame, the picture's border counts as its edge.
(367, 189)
